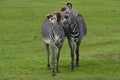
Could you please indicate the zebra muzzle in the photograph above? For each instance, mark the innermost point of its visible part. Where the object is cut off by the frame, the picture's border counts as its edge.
(57, 42)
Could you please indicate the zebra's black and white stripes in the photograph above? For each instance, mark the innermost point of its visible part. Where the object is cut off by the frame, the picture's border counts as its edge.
(53, 36)
(75, 29)
(54, 29)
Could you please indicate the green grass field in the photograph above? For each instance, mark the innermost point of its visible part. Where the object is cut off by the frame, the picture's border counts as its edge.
(22, 51)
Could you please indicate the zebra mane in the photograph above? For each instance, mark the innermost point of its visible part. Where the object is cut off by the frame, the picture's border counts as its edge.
(59, 16)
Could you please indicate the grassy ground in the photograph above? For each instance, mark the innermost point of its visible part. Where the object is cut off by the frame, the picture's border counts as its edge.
(22, 51)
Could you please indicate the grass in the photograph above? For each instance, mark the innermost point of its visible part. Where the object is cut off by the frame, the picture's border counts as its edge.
(22, 51)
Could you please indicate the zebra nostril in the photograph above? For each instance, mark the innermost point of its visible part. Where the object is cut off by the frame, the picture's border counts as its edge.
(57, 42)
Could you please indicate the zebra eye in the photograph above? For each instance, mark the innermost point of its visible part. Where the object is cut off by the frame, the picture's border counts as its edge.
(51, 18)
(62, 19)
(54, 18)
(66, 16)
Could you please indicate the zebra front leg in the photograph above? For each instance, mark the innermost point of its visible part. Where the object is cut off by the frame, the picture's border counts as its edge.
(48, 55)
(77, 53)
(57, 57)
(71, 44)
(53, 60)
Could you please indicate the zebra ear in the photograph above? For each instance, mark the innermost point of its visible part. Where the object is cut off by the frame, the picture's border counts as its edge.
(69, 5)
(49, 16)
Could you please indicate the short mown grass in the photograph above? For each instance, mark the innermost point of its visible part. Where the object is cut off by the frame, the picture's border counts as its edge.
(22, 51)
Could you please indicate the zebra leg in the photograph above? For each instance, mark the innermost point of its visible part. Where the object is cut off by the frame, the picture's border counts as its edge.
(71, 45)
(77, 53)
(57, 57)
(53, 60)
(48, 55)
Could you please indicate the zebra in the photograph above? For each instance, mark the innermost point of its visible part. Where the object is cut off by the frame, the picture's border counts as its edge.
(75, 29)
(53, 35)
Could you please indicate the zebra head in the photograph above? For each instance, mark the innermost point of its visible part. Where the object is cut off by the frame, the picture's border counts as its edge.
(68, 10)
(71, 15)
(71, 24)
(57, 32)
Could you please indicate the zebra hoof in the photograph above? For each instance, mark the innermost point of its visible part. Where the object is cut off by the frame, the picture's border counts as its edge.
(77, 65)
(57, 71)
(48, 68)
(72, 70)
(53, 74)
